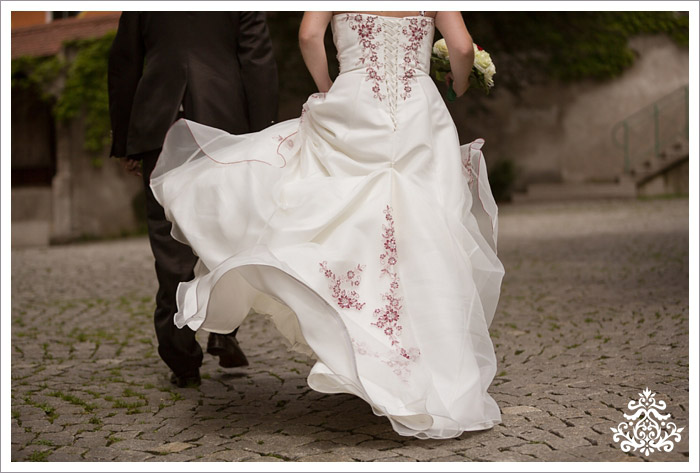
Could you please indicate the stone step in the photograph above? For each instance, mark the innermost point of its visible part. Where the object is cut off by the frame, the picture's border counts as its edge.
(576, 191)
(27, 233)
(668, 159)
(31, 216)
(30, 203)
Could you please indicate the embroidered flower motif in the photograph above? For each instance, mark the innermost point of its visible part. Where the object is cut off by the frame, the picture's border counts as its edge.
(398, 360)
(287, 141)
(304, 109)
(416, 30)
(467, 166)
(346, 299)
(371, 37)
(387, 317)
(367, 31)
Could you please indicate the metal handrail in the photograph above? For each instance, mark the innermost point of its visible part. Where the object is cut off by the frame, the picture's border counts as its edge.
(648, 119)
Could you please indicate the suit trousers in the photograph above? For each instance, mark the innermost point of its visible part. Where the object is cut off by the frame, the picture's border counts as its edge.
(174, 264)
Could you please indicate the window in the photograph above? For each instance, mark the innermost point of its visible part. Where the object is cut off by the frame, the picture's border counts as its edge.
(58, 15)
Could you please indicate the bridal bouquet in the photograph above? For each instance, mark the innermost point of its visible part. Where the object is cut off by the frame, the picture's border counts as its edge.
(481, 74)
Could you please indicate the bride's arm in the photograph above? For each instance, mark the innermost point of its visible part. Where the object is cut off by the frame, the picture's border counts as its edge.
(311, 33)
(460, 47)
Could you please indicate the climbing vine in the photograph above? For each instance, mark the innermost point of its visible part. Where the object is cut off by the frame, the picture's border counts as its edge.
(36, 74)
(568, 46)
(84, 89)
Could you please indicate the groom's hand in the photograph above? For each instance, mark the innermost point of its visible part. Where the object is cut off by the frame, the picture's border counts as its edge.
(132, 166)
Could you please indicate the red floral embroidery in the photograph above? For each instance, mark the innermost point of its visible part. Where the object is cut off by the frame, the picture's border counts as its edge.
(289, 143)
(366, 29)
(389, 315)
(416, 30)
(304, 109)
(400, 365)
(346, 299)
(467, 165)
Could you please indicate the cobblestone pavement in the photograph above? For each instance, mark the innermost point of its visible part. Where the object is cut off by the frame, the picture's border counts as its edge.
(594, 309)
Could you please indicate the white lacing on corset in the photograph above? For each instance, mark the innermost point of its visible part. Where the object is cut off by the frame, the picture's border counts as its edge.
(391, 59)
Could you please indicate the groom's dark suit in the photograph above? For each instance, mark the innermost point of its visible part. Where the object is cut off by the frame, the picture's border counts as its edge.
(218, 65)
(215, 68)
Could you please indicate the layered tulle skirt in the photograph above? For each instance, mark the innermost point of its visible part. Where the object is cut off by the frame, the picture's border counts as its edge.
(369, 241)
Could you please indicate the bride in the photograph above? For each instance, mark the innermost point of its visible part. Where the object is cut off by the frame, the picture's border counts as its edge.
(362, 228)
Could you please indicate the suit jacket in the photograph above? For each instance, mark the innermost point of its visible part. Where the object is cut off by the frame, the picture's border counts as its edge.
(218, 65)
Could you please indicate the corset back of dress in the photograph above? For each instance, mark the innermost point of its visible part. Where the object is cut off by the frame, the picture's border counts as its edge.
(390, 51)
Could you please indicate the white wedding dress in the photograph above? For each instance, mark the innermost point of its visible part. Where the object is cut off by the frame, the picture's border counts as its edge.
(362, 228)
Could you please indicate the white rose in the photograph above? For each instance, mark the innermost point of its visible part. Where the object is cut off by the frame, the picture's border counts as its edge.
(440, 49)
(482, 60)
(488, 75)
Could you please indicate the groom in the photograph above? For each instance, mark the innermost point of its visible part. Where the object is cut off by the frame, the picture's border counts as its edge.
(215, 68)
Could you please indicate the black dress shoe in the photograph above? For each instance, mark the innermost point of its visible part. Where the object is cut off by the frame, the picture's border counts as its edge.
(227, 349)
(186, 381)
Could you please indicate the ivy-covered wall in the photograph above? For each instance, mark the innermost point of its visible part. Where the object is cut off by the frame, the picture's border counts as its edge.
(85, 89)
(74, 84)
(86, 195)
(534, 47)
(562, 131)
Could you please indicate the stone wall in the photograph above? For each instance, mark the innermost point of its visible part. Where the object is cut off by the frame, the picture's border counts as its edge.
(562, 132)
(92, 196)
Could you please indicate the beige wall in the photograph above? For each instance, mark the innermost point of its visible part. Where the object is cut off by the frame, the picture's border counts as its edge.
(563, 132)
(90, 200)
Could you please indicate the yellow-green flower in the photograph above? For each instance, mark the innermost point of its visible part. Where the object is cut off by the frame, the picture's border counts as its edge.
(483, 62)
(440, 49)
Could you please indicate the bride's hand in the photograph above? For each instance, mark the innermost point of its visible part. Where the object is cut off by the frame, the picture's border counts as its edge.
(449, 80)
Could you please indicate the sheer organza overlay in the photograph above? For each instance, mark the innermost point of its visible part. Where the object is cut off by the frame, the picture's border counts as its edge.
(362, 229)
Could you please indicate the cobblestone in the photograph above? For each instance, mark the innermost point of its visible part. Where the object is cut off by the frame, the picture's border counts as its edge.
(594, 309)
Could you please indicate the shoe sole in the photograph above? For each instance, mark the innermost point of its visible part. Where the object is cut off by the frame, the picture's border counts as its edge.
(185, 384)
(226, 360)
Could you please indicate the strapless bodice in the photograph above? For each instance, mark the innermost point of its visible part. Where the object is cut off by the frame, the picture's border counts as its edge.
(390, 51)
